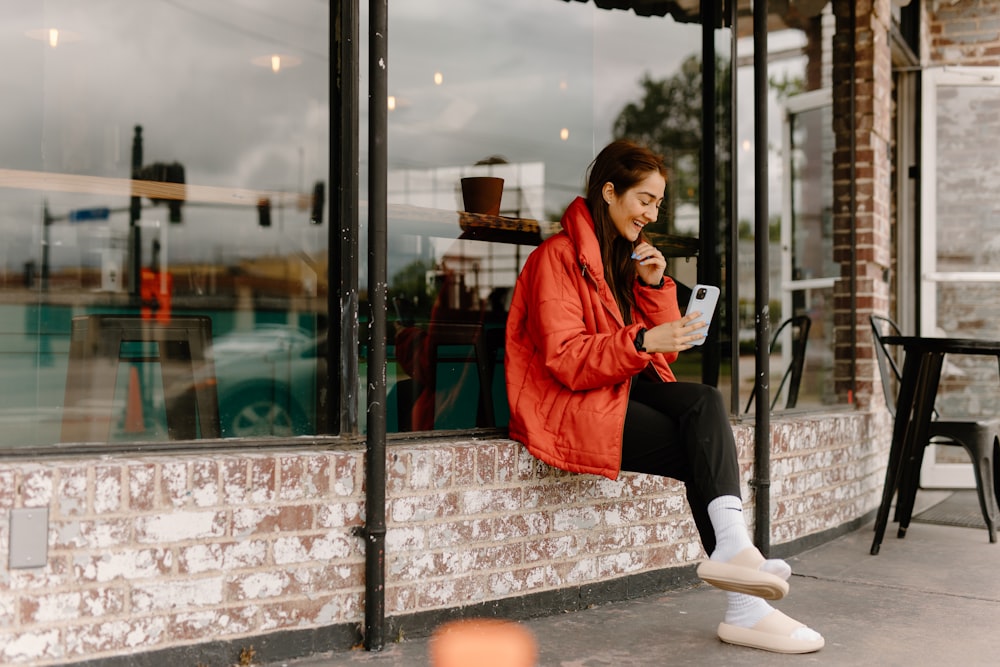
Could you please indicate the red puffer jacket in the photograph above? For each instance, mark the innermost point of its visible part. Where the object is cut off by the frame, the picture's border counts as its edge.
(569, 358)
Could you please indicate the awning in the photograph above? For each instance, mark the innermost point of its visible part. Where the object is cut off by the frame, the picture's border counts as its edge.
(682, 11)
(781, 13)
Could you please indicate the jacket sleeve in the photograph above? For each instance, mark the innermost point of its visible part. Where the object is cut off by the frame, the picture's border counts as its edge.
(579, 337)
(658, 304)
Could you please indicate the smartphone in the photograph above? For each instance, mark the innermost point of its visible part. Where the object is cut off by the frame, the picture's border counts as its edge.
(704, 299)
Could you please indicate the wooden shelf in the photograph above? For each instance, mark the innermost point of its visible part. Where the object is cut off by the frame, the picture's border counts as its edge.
(524, 231)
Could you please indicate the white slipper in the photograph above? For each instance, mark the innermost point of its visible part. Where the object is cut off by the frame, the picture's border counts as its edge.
(772, 633)
(741, 574)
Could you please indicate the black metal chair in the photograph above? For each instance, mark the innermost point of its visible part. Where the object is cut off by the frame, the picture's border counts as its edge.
(979, 437)
(800, 325)
(182, 347)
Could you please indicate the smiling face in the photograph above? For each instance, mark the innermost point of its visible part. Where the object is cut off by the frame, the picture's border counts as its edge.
(636, 207)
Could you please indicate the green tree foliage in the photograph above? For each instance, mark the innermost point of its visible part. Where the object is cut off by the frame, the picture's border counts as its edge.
(410, 285)
(668, 119)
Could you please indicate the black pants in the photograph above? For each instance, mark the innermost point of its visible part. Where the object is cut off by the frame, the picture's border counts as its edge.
(681, 430)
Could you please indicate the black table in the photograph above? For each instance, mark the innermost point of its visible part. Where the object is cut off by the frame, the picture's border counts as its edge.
(915, 405)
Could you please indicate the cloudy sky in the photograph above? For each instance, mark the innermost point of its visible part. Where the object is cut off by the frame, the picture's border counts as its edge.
(513, 74)
(185, 71)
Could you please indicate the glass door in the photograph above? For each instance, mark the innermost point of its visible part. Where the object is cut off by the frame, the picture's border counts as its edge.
(808, 271)
(960, 245)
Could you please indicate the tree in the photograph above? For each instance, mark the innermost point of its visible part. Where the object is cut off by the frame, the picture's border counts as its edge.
(410, 286)
(668, 119)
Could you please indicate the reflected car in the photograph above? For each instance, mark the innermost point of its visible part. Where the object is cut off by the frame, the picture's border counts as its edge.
(266, 381)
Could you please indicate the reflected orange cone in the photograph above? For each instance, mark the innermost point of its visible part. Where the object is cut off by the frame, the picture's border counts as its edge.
(135, 422)
(483, 642)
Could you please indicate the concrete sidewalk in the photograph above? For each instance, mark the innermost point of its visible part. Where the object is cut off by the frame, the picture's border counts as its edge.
(932, 598)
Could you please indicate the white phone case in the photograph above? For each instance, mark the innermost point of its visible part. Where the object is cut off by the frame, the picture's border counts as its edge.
(704, 299)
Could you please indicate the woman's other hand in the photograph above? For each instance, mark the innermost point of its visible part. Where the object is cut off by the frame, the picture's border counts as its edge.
(650, 263)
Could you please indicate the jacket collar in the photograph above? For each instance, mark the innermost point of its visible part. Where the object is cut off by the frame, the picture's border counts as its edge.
(579, 226)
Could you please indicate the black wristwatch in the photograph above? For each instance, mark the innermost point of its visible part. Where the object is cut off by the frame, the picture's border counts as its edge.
(640, 340)
(659, 285)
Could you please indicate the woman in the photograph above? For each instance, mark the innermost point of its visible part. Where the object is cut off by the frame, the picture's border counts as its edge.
(592, 329)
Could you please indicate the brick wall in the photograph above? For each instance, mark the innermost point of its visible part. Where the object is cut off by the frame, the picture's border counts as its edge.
(154, 552)
(862, 115)
(149, 552)
(962, 32)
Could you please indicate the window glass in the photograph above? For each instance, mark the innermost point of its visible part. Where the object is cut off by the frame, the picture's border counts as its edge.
(527, 91)
(128, 307)
(962, 246)
(801, 267)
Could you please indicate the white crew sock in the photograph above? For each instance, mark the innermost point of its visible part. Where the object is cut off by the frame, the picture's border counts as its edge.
(744, 610)
(732, 537)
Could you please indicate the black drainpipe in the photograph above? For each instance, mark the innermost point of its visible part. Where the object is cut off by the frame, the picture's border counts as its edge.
(852, 124)
(762, 430)
(732, 214)
(709, 267)
(374, 531)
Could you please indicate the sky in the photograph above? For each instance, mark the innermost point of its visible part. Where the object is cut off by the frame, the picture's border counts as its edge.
(531, 69)
(184, 71)
(513, 75)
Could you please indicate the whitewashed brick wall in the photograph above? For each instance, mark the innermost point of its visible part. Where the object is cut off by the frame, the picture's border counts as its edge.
(148, 553)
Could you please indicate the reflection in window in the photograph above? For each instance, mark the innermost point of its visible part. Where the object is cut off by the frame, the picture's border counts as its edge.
(150, 178)
(802, 270)
(526, 91)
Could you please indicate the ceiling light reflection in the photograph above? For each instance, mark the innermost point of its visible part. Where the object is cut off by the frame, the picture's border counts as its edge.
(53, 36)
(277, 61)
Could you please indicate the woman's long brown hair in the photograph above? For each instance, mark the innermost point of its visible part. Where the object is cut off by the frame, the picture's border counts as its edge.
(623, 163)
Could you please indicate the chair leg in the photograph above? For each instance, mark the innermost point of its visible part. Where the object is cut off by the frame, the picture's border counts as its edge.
(996, 472)
(907, 494)
(986, 487)
(984, 506)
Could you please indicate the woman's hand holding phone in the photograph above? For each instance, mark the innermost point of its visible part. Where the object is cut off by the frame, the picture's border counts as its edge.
(676, 336)
(690, 330)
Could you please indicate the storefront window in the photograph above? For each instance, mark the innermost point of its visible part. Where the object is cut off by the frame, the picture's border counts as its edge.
(111, 287)
(527, 91)
(801, 266)
(164, 227)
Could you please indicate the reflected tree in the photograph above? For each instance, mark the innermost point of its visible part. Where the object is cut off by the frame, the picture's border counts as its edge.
(668, 119)
(410, 286)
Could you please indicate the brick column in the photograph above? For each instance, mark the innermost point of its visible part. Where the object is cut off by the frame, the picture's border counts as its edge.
(861, 50)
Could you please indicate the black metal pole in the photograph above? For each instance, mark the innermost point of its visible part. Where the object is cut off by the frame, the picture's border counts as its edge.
(341, 409)
(377, 297)
(732, 215)
(762, 430)
(709, 266)
(135, 212)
